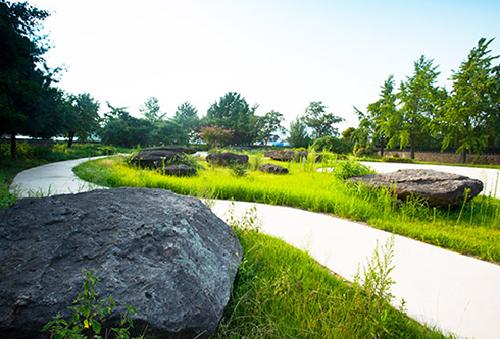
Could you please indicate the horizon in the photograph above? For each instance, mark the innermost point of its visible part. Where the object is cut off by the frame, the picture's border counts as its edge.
(280, 56)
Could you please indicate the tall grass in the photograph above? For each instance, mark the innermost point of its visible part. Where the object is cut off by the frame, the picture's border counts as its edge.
(280, 292)
(472, 230)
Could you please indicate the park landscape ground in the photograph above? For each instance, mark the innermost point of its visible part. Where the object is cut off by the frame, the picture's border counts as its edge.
(258, 303)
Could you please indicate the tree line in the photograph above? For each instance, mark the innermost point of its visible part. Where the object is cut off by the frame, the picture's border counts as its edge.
(420, 114)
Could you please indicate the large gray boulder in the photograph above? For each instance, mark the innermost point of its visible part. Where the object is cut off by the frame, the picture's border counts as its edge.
(439, 189)
(227, 159)
(166, 254)
(273, 169)
(158, 158)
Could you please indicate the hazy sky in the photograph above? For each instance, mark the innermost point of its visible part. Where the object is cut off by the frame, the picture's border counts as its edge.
(279, 54)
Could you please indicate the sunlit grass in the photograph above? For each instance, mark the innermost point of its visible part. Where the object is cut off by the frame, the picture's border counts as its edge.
(280, 292)
(475, 232)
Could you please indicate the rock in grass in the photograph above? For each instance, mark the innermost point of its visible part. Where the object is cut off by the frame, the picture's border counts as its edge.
(287, 155)
(159, 157)
(179, 170)
(166, 254)
(273, 169)
(226, 159)
(439, 189)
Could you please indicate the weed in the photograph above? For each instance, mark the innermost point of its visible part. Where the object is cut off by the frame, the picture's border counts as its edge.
(89, 316)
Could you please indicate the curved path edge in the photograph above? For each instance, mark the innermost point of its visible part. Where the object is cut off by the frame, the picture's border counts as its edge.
(455, 293)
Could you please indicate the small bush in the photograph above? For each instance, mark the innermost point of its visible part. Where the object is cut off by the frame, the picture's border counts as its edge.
(344, 169)
(395, 158)
(364, 151)
(239, 170)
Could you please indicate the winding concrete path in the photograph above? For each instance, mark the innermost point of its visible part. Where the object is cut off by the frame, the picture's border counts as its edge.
(458, 294)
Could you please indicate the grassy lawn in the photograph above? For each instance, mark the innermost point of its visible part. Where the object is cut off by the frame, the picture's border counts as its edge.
(473, 229)
(280, 292)
(29, 156)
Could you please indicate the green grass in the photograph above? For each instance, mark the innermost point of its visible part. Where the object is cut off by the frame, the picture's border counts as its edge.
(32, 156)
(472, 230)
(280, 292)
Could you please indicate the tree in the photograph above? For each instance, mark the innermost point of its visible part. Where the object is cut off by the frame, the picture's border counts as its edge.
(383, 118)
(319, 121)
(470, 118)
(233, 112)
(24, 76)
(298, 134)
(122, 129)
(420, 99)
(82, 117)
(168, 132)
(151, 110)
(187, 118)
(215, 136)
(268, 124)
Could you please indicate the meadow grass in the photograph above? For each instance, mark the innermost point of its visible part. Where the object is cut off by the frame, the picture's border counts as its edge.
(473, 229)
(281, 292)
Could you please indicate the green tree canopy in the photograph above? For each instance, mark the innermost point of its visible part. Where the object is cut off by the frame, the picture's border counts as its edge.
(470, 118)
(383, 117)
(269, 123)
(419, 99)
(321, 122)
(233, 112)
(151, 110)
(81, 117)
(187, 118)
(298, 136)
(25, 93)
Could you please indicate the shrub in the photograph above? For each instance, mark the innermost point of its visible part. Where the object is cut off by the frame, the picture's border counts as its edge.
(344, 169)
(364, 151)
(332, 144)
(239, 170)
(397, 159)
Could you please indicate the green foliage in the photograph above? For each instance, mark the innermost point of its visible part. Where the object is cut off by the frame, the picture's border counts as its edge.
(28, 103)
(215, 136)
(151, 110)
(239, 170)
(187, 118)
(395, 158)
(298, 136)
(81, 117)
(256, 161)
(281, 292)
(321, 122)
(476, 233)
(89, 316)
(470, 119)
(349, 168)
(233, 112)
(268, 124)
(332, 144)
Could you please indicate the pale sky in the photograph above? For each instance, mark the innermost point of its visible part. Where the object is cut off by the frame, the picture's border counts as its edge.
(279, 54)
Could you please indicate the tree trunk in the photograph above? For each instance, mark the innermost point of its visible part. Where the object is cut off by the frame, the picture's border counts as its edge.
(412, 147)
(13, 152)
(463, 155)
(70, 139)
(382, 146)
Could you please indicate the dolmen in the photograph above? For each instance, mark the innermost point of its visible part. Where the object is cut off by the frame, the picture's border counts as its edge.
(227, 159)
(286, 155)
(273, 169)
(165, 254)
(170, 160)
(439, 189)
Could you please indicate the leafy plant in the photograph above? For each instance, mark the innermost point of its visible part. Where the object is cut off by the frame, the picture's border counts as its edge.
(89, 316)
(239, 170)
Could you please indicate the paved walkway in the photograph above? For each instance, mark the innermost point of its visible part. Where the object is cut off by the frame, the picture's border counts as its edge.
(454, 292)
